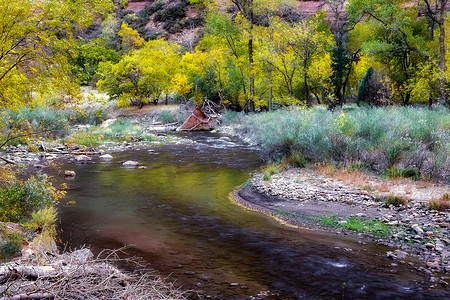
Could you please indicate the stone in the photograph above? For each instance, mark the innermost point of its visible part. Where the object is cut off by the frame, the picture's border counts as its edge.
(68, 173)
(417, 229)
(401, 254)
(108, 123)
(82, 158)
(131, 163)
(197, 121)
(234, 284)
(106, 156)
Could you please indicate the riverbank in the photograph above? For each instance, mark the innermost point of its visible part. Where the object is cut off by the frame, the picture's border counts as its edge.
(307, 198)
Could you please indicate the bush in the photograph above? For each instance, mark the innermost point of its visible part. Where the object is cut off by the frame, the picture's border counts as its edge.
(414, 140)
(18, 199)
(442, 204)
(395, 200)
(167, 116)
(11, 244)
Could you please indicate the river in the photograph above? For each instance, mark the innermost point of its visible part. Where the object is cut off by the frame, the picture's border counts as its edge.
(176, 215)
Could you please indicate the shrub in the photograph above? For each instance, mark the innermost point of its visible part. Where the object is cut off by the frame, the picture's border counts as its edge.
(412, 139)
(167, 116)
(44, 220)
(395, 200)
(402, 173)
(442, 204)
(19, 199)
(270, 170)
(11, 244)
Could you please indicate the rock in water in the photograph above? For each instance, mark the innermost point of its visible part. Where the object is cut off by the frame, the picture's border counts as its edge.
(69, 173)
(106, 156)
(131, 163)
(82, 158)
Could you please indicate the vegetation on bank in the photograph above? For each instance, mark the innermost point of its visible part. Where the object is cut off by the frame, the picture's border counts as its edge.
(30, 203)
(385, 140)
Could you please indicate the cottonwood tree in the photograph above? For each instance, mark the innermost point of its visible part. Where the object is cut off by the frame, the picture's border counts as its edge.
(35, 37)
(403, 42)
(250, 10)
(142, 75)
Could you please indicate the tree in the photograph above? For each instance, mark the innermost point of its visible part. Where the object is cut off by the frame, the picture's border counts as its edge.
(403, 41)
(35, 37)
(310, 42)
(249, 9)
(142, 75)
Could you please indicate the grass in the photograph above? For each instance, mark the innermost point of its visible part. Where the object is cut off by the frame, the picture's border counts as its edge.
(415, 141)
(270, 170)
(441, 204)
(395, 200)
(122, 130)
(371, 226)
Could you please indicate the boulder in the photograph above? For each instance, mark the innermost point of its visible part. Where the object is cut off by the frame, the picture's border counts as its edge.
(108, 123)
(82, 158)
(68, 173)
(197, 121)
(131, 163)
(106, 156)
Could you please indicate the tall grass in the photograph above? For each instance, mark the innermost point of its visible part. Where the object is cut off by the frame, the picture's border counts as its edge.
(381, 138)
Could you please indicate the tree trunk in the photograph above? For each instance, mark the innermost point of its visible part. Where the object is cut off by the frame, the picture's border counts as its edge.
(251, 104)
(442, 80)
(270, 90)
(305, 79)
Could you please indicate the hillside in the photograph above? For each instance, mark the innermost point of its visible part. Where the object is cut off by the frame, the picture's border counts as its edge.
(181, 22)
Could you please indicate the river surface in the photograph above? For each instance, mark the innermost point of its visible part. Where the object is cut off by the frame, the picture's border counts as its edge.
(176, 215)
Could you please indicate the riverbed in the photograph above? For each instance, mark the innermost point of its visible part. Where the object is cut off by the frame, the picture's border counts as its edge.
(175, 214)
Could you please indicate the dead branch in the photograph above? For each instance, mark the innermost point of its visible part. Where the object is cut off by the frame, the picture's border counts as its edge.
(79, 275)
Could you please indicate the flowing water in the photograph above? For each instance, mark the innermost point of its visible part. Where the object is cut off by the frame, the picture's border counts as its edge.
(176, 215)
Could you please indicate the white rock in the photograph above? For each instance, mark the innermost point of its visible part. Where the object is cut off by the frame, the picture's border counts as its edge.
(108, 123)
(417, 229)
(106, 156)
(82, 158)
(131, 163)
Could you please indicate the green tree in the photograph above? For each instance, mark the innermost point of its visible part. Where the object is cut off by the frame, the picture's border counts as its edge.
(35, 37)
(142, 75)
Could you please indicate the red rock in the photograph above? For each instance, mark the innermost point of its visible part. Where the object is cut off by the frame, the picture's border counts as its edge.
(197, 121)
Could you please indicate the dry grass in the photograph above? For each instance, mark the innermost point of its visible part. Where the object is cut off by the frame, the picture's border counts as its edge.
(440, 204)
(355, 177)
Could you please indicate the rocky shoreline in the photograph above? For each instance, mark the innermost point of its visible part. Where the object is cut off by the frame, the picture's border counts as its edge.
(304, 198)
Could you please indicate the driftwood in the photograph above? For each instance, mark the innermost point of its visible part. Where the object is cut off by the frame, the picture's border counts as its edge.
(8, 161)
(78, 275)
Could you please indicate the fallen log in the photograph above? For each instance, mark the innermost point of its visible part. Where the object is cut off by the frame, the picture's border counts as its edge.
(29, 296)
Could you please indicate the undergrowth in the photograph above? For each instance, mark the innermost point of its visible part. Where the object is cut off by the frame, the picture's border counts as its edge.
(400, 141)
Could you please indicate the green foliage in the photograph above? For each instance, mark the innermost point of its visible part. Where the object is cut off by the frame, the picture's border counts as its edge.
(11, 244)
(395, 201)
(413, 138)
(123, 130)
(86, 58)
(364, 88)
(270, 170)
(36, 36)
(167, 116)
(171, 16)
(142, 75)
(370, 226)
(441, 204)
(18, 198)
(402, 173)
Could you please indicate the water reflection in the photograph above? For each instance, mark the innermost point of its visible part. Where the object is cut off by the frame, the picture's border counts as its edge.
(176, 214)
